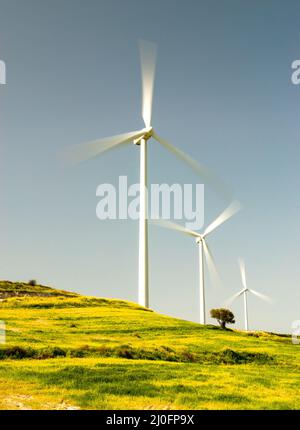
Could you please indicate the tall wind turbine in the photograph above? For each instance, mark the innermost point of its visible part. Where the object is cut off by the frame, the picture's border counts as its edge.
(244, 292)
(204, 250)
(85, 151)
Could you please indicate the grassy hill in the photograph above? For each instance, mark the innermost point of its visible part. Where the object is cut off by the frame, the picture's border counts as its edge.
(66, 351)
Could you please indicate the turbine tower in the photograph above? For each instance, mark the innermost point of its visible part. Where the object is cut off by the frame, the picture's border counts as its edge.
(244, 292)
(85, 151)
(204, 250)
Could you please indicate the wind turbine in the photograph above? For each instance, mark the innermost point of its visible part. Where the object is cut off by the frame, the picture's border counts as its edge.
(204, 250)
(244, 292)
(85, 151)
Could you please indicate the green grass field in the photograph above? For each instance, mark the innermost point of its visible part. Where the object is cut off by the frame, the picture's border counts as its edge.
(66, 351)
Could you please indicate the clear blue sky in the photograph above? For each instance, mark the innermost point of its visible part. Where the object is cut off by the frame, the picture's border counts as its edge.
(222, 93)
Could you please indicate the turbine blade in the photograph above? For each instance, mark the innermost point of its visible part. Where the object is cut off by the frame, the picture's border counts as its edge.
(232, 298)
(148, 61)
(211, 265)
(261, 296)
(211, 179)
(232, 209)
(174, 226)
(243, 272)
(85, 151)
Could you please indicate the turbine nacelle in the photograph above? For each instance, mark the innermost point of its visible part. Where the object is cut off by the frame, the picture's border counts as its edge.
(148, 134)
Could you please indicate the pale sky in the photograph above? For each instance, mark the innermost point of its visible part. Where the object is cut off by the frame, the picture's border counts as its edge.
(223, 94)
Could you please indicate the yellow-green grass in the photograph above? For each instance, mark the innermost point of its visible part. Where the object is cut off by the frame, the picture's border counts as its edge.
(114, 383)
(115, 354)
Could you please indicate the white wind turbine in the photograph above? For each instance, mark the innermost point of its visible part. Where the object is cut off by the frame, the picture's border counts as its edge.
(244, 292)
(85, 151)
(204, 250)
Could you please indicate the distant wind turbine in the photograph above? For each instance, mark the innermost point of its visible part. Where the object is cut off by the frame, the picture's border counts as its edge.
(204, 250)
(244, 292)
(85, 151)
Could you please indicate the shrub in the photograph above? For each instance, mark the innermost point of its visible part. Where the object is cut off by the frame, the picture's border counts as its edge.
(32, 282)
(16, 352)
(125, 352)
(228, 356)
(51, 352)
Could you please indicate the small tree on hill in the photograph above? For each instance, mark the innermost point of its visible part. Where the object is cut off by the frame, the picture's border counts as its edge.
(32, 282)
(223, 316)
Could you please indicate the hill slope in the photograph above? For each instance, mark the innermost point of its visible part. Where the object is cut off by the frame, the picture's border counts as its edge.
(64, 350)
(22, 289)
